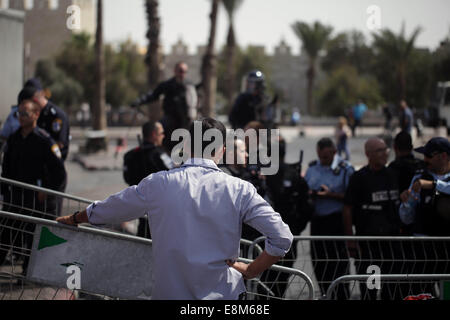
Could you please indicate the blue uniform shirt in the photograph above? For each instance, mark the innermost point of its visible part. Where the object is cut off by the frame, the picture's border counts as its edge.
(11, 124)
(318, 175)
(407, 210)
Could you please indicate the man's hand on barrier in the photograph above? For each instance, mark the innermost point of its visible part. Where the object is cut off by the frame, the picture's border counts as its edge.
(74, 219)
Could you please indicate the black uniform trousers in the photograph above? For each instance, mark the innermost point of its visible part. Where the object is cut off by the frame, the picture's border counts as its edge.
(329, 258)
(18, 235)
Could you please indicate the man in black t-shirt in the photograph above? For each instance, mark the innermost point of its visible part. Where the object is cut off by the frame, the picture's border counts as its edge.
(146, 159)
(405, 164)
(371, 205)
(179, 104)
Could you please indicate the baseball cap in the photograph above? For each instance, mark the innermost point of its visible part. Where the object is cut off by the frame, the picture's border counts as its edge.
(35, 83)
(438, 144)
(26, 93)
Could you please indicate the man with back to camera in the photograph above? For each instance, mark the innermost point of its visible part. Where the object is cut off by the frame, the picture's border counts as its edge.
(405, 164)
(145, 160)
(196, 238)
(406, 117)
(179, 104)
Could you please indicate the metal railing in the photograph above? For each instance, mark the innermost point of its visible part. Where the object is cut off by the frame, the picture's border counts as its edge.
(386, 278)
(327, 258)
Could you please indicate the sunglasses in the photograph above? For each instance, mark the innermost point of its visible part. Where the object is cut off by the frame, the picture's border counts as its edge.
(22, 114)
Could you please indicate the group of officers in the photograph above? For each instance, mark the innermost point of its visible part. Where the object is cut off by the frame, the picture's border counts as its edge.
(407, 197)
(35, 142)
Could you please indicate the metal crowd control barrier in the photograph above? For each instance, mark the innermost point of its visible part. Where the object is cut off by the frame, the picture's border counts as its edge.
(18, 227)
(391, 278)
(116, 266)
(32, 200)
(326, 258)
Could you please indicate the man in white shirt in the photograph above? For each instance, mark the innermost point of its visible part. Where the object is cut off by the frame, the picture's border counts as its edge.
(195, 215)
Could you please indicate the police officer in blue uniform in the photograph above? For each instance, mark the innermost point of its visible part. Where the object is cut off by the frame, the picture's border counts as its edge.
(33, 157)
(425, 207)
(52, 119)
(328, 179)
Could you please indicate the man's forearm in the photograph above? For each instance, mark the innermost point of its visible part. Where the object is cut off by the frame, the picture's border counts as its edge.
(74, 219)
(260, 264)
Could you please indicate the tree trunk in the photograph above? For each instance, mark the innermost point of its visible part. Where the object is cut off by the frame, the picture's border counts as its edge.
(153, 58)
(98, 105)
(310, 74)
(230, 73)
(209, 66)
(402, 81)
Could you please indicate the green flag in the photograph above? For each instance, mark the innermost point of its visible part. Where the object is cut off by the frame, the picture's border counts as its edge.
(49, 239)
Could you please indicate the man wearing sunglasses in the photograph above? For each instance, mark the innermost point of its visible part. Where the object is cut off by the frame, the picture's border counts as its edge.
(426, 203)
(426, 208)
(32, 157)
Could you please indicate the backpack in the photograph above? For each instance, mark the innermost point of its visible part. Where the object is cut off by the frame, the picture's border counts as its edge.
(135, 165)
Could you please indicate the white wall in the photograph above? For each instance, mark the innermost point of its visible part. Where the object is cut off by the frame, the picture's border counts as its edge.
(11, 59)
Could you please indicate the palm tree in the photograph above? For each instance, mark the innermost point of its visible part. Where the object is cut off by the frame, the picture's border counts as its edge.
(314, 39)
(209, 66)
(98, 105)
(231, 6)
(398, 50)
(153, 58)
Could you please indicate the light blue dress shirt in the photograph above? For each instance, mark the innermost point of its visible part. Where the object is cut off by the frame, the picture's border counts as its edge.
(318, 175)
(407, 210)
(195, 215)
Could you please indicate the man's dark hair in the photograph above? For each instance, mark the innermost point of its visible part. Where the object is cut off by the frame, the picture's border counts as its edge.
(207, 124)
(26, 93)
(403, 141)
(148, 128)
(325, 143)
